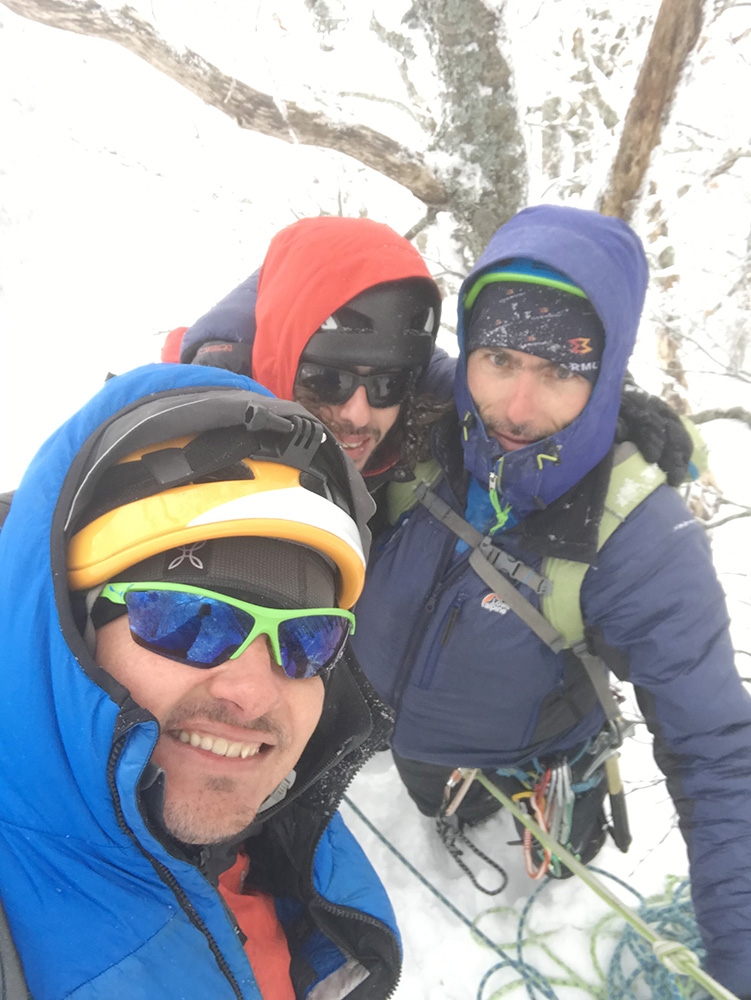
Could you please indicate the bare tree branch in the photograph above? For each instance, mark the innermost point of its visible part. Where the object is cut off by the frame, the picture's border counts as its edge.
(674, 35)
(734, 413)
(250, 108)
(427, 220)
(728, 162)
(674, 327)
(708, 525)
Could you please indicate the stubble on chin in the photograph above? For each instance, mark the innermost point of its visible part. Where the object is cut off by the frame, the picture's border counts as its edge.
(213, 808)
(214, 815)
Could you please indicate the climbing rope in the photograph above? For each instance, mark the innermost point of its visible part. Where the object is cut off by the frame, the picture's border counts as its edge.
(451, 831)
(457, 843)
(634, 970)
(642, 957)
(528, 974)
(676, 957)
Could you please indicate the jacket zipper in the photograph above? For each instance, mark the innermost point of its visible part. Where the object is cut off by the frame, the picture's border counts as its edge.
(367, 754)
(347, 911)
(166, 875)
(440, 640)
(441, 580)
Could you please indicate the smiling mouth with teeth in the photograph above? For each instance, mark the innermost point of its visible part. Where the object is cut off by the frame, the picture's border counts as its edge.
(219, 746)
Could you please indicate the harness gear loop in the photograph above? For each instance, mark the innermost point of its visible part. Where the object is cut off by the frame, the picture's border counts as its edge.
(452, 802)
(539, 808)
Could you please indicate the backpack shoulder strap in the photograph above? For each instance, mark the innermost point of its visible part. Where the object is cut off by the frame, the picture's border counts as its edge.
(632, 480)
(699, 461)
(401, 497)
(559, 621)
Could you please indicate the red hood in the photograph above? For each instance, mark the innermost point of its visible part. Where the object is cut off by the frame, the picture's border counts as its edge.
(311, 269)
(171, 345)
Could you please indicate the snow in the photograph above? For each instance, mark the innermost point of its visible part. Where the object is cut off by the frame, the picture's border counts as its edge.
(129, 208)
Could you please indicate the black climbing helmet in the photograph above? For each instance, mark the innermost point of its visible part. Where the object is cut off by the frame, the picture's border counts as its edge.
(391, 325)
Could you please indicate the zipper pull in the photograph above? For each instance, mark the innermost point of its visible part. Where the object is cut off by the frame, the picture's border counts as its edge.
(494, 476)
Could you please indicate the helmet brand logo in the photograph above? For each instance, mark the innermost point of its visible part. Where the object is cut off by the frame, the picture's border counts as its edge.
(188, 552)
(580, 345)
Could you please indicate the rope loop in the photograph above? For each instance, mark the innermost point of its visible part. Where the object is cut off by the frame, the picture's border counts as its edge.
(675, 956)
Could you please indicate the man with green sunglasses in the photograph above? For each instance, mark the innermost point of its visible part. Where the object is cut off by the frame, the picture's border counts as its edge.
(180, 712)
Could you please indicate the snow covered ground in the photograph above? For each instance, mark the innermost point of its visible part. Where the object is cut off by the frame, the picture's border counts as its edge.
(127, 208)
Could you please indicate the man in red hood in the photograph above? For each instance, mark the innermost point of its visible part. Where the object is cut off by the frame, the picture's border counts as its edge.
(342, 316)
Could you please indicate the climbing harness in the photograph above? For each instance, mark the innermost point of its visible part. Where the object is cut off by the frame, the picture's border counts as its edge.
(549, 791)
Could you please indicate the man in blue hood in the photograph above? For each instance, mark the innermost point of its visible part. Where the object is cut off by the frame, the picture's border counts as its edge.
(525, 479)
(179, 710)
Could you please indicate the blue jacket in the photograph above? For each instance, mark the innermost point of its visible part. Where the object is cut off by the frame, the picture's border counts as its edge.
(470, 682)
(98, 906)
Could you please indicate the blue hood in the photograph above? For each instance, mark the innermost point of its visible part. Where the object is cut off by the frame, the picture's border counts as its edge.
(67, 866)
(605, 258)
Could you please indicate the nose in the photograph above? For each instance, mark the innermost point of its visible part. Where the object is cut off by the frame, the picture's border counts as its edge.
(252, 682)
(521, 402)
(356, 410)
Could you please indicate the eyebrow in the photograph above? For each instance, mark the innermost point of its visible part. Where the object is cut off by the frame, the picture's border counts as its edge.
(544, 362)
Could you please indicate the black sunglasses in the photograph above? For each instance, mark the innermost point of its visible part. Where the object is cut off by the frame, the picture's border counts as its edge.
(336, 385)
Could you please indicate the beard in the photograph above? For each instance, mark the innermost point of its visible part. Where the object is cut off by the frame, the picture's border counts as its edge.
(205, 808)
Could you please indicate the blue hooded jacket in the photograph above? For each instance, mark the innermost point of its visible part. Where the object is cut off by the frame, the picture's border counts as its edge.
(604, 257)
(98, 906)
(473, 686)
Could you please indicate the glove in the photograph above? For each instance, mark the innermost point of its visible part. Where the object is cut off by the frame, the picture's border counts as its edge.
(656, 430)
(229, 354)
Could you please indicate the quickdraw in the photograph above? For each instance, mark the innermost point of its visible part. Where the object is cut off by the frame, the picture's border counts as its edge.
(551, 802)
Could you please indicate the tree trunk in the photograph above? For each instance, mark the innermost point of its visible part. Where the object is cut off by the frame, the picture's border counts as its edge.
(674, 36)
(480, 124)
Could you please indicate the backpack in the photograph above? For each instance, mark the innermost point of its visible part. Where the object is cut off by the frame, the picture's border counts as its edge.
(559, 621)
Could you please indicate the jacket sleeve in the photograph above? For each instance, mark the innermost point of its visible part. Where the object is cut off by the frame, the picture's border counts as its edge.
(232, 319)
(654, 598)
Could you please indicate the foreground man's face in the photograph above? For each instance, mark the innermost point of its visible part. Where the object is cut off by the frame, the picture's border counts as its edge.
(522, 398)
(228, 735)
